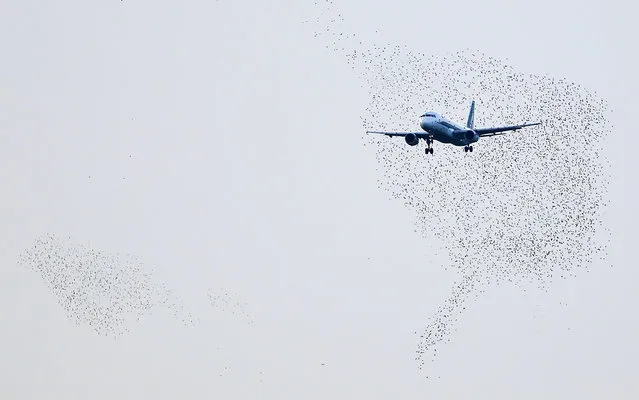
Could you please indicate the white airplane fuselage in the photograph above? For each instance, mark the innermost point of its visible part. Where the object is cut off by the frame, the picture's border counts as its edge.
(442, 130)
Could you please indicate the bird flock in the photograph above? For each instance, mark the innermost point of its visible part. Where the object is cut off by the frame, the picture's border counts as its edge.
(108, 291)
(525, 208)
(229, 302)
(102, 290)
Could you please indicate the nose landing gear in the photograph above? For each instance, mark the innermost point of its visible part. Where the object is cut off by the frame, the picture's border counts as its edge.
(468, 148)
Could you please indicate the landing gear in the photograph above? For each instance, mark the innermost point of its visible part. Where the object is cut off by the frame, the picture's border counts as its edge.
(468, 148)
(429, 143)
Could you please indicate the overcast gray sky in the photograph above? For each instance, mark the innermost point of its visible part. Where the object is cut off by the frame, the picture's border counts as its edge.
(221, 143)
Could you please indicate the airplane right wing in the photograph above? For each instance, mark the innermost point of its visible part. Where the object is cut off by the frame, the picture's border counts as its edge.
(390, 134)
(484, 132)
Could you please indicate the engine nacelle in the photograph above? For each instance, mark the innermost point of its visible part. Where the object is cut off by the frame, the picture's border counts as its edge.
(468, 136)
(411, 139)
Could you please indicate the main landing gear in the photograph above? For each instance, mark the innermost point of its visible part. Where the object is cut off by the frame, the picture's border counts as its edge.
(468, 148)
(429, 143)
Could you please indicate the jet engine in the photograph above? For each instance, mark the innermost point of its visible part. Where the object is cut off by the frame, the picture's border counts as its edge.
(467, 135)
(411, 139)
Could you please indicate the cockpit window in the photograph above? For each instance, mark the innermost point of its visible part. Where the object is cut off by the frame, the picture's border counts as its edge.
(429, 115)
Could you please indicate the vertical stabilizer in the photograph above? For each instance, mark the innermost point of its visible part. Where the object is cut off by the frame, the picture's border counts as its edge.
(471, 116)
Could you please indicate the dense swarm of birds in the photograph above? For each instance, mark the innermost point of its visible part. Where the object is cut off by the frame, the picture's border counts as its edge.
(524, 208)
(102, 290)
(229, 302)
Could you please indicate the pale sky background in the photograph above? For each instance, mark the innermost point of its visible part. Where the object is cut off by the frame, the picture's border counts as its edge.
(247, 172)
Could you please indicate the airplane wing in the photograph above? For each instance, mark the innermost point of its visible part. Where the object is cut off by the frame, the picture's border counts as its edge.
(418, 134)
(485, 132)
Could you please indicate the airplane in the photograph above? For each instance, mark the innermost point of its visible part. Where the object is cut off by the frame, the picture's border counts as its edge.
(436, 127)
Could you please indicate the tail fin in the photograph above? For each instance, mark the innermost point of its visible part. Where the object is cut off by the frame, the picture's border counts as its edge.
(471, 116)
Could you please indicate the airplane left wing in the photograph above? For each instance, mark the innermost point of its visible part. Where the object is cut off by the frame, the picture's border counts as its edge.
(484, 132)
(418, 134)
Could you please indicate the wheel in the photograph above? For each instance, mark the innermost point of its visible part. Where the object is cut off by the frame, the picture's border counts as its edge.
(427, 150)
(431, 150)
(465, 149)
(470, 148)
